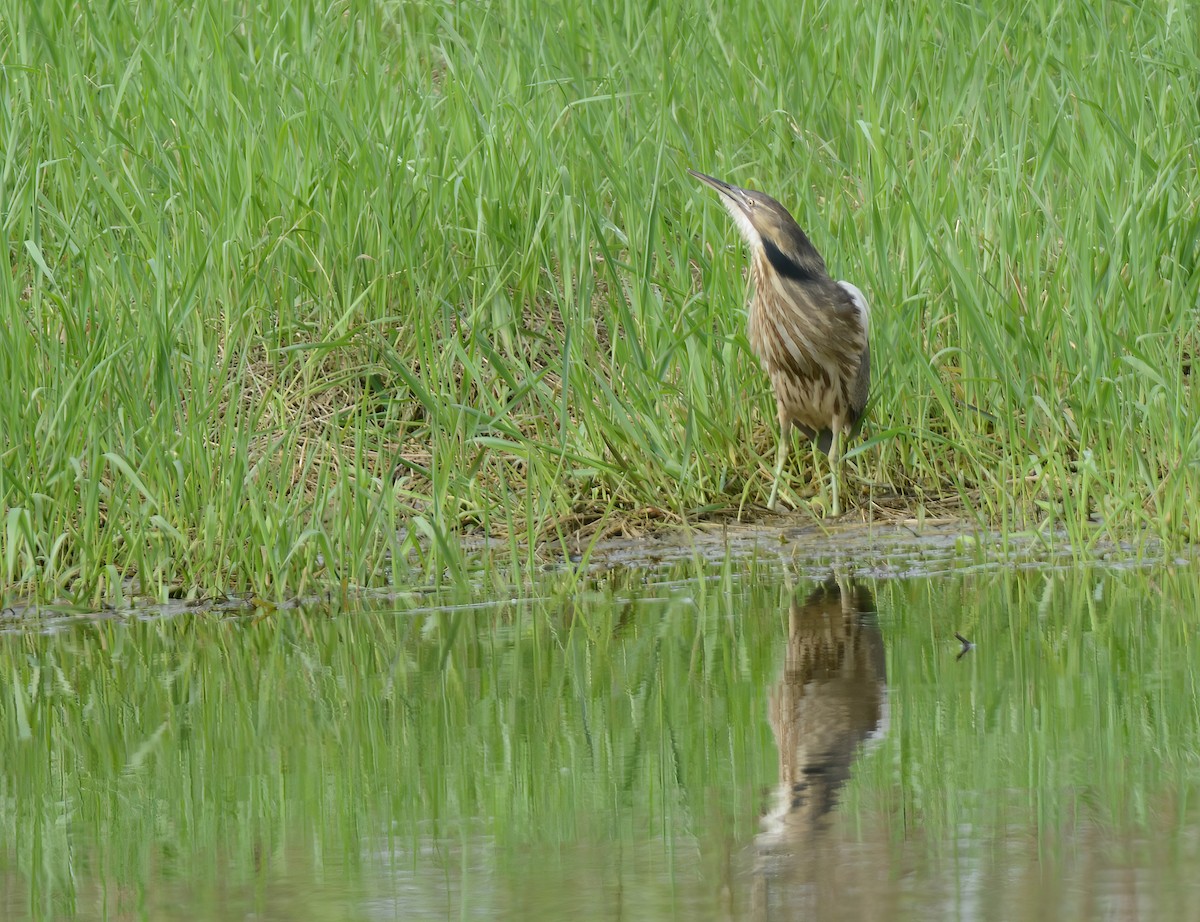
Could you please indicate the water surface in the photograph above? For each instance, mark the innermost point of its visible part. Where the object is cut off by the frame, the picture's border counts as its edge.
(730, 741)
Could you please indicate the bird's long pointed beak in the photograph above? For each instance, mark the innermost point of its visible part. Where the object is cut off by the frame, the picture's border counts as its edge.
(722, 187)
(731, 193)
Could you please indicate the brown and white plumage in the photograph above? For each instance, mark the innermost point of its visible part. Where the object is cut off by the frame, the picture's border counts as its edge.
(810, 332)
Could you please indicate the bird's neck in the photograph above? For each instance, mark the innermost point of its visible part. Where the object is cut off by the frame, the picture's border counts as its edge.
(798, 260)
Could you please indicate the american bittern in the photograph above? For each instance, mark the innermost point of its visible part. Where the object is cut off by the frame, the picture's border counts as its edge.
(809, 331)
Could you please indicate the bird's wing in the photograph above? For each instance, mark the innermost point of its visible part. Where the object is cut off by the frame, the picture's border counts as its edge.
(862, 381)
(860, 301)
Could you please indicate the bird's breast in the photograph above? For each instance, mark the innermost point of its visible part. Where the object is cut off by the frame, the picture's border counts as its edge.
(810, 339)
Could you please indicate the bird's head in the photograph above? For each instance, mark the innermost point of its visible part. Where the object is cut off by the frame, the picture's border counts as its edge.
(768, 227)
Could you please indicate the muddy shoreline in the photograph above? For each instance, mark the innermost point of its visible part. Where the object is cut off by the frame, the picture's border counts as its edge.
(894, 550)
(809, 549)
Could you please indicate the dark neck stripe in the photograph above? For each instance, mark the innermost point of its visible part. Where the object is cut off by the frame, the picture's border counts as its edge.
(786, 266)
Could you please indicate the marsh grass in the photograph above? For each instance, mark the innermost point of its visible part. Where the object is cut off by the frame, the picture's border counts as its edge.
(300, 294)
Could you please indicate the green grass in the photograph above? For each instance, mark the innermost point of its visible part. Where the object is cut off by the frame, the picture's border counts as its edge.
(297, 294)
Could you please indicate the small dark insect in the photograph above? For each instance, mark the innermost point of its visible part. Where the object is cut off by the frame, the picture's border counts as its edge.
(967, 646)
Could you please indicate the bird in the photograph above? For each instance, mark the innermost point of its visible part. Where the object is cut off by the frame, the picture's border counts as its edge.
(810, 332)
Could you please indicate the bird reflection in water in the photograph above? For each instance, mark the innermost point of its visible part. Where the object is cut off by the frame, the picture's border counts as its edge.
(829, 701)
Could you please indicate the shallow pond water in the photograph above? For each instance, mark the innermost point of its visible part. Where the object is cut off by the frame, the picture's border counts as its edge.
(699, 740)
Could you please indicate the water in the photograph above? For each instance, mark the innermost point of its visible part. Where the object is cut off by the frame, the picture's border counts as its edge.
(697, 741)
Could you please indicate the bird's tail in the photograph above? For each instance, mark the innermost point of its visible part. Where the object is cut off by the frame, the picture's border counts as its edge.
(824, 438)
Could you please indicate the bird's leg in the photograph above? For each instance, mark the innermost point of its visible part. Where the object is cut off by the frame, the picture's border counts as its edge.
(785, 430)
(835, 458)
